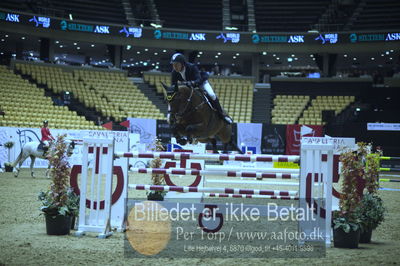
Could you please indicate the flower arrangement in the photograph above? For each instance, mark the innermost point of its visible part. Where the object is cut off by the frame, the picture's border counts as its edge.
(9, 145)
(352, 170)
(371, 210)
(157, 179)
(59, 199)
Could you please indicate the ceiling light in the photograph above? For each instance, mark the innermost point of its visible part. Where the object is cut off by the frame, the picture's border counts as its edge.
(387, 52)
(311, 55)
(293, 55)
(295, 58)
(354, 58)
(391, 51)
(2, 40)
(200, 52)
(216, 56)
(164, 51)
(57, 42)
(78, 48)
(372, 58)
(237, 54)
(382, 55)
(155, 53)
(277, 58)
(124, 61)
(92, 45)
(274, 55)
(345, 55)
(138, 52)
(234, 57)
(6, 35)
(219, 53)
(75, 43)
(289, 59)
(61, 46)
(70, 17)
(391, 58)
(146, 49)
(264, 53)
(198, 55)
(23, 38)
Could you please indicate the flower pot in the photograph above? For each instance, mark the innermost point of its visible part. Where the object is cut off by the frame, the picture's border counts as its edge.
(58, 225)
(365, 236)
(155, 196)
(8, 168)
(341, 239)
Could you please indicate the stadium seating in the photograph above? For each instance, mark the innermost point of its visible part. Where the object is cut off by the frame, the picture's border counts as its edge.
(376, 15)
(203, 15)
(288, 108)
(25, 105)
(288, 15)
(313, 114)
(108, 92)
(93, 10)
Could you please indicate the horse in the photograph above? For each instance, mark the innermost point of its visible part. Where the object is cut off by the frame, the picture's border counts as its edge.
(30, 149)
(193, 117)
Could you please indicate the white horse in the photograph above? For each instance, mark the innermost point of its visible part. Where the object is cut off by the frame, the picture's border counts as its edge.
(31, 149)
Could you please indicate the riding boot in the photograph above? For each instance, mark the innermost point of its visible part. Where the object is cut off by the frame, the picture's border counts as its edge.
(221, 112)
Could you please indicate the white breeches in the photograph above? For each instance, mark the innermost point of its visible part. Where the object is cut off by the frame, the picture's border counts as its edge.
(46, 143)
(169, 114)
(207, 87)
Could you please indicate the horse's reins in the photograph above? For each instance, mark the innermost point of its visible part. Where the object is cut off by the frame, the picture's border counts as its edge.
(184, 112)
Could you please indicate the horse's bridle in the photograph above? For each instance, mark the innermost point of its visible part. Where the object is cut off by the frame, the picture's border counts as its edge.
(184, 112)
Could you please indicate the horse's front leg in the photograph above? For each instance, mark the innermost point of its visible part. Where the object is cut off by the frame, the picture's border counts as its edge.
(31, 167)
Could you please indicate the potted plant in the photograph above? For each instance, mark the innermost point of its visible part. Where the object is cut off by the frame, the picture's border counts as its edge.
(346, 223)
(157, 179)
(8, 166)
(371, 210)
(59, 202)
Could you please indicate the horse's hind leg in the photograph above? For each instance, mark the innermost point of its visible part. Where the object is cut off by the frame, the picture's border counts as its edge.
(214, 144)
(32, 163)
(234, 146)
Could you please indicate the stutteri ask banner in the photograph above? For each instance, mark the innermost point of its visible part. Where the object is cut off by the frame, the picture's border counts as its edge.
(294, 133)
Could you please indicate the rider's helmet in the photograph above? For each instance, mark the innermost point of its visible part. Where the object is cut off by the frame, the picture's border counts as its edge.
(45, 122)
(178, 58)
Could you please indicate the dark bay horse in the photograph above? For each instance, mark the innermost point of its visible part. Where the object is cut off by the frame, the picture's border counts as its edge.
(193, 118)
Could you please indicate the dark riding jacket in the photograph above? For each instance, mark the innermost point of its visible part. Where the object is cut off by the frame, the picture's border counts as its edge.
(194, 77)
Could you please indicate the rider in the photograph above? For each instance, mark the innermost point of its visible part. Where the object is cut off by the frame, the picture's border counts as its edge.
(189, 74)
(46, 137)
